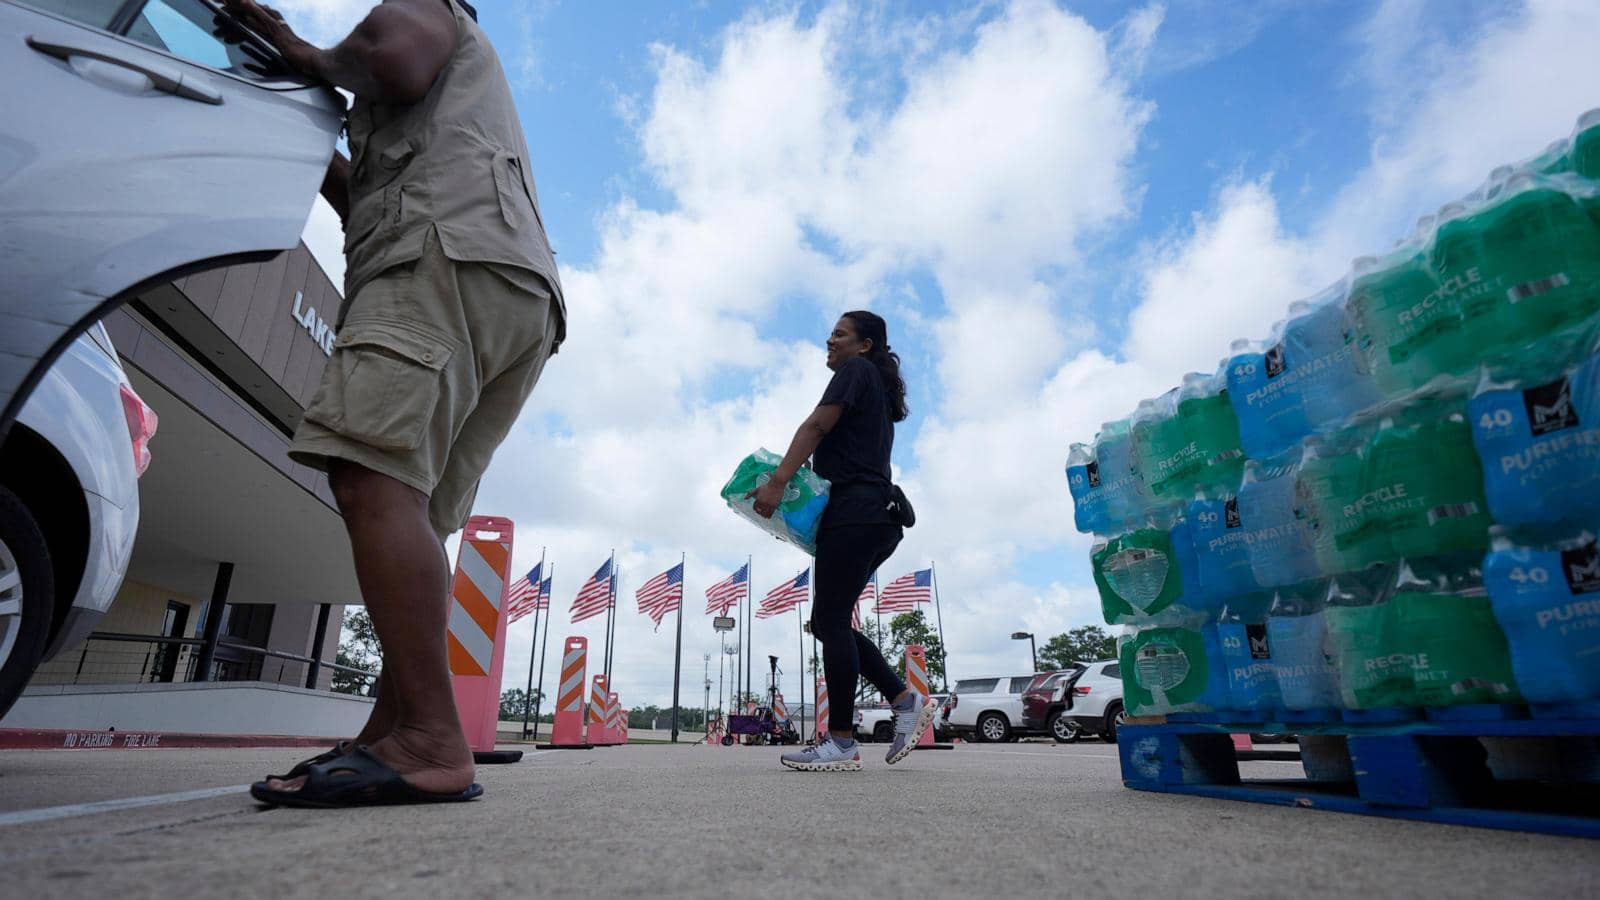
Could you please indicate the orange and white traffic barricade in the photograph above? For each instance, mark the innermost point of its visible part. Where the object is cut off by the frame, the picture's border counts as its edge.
(567, 732)
(822, 709)
(613, 720)
(917, 680)
(476, 641)
(780, 710)
(597, 711)
(624, 717)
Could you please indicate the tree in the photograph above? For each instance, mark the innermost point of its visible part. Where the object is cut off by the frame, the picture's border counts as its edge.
(515, 700)
(1085, 643)
(358, 649)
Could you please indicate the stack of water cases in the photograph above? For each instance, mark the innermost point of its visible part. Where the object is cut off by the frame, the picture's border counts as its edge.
(1392, 501)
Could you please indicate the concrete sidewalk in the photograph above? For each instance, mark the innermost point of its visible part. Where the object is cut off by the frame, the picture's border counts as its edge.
(1028, 820)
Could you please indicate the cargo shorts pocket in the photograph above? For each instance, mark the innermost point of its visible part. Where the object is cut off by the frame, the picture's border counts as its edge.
(382, 386)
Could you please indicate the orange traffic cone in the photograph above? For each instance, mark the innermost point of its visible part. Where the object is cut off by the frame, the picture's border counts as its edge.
(917, 680)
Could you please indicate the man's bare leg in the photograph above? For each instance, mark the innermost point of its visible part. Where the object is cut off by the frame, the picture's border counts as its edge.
(385, 712)
(404, 577)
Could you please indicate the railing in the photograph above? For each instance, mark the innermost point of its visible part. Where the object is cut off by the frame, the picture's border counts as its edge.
(115, 658)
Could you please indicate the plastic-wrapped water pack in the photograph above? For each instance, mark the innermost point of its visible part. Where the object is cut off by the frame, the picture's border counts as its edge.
(798, 515)
(1546, 595)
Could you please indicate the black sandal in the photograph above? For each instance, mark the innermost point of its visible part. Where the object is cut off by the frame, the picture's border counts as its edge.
(303, 767)
(358, 778)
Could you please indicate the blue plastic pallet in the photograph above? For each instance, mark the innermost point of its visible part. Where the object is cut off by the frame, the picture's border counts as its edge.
(1430, 769)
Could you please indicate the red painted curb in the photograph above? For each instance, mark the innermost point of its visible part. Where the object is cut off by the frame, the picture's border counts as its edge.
(49, 739)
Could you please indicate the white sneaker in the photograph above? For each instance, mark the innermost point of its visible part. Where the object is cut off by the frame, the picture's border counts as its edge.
(824, 757)
(909, 727)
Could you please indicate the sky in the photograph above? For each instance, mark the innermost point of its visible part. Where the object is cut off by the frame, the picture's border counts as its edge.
(1059, 207)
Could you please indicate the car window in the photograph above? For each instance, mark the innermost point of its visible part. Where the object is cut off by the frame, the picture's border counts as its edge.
(187, 29)
(1112, 671)
(1018, 685)
(192, 30)
(1055, 679)
(977, 685)
(182, 29)
(94, 13)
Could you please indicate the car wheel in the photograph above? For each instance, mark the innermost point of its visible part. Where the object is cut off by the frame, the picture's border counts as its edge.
(993, 728)
(1063, 729)
(882, 733)
(27, 597)
(727, 740)
(1114, 719)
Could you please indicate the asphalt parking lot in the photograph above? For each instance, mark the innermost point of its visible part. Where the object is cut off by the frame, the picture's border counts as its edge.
(1004, 820)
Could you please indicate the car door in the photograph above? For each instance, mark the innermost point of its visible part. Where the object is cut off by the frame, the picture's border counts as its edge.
(1011, 700)
(141, 139)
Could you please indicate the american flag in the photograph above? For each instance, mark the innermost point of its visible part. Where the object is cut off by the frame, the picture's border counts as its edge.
(786, 596)
(544, 590)
(595, 595)
(868, 593)
(524, 596)
(662, 594)
(726, 594)
(904, 593)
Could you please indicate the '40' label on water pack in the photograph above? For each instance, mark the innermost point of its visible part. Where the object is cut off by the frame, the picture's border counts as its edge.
(1540, 447)
(1548, 603)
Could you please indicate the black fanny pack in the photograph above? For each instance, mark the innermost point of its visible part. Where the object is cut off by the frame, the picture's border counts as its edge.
(900, 510)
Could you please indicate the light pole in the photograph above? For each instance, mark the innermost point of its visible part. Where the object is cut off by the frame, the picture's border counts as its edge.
(1032, 647)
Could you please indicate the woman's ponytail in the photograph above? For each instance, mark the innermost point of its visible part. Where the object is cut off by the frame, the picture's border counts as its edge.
(871, 326)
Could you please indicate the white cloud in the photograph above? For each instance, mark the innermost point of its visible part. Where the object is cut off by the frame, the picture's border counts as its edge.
(1229, 277)
(324, 22)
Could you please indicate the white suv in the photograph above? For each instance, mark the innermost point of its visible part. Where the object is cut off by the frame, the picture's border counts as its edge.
(69, 505)
(988, 709)
(1097, 699)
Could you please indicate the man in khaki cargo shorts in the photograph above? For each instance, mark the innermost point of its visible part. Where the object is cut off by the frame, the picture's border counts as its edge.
(452, 306)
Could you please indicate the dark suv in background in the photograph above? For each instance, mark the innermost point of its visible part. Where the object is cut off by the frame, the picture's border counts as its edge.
(1045, 702)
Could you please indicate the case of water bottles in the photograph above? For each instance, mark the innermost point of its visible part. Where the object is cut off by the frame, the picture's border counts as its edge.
(1390, 503)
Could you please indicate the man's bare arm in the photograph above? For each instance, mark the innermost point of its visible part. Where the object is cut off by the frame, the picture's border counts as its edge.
(336, 186)
(393, 56)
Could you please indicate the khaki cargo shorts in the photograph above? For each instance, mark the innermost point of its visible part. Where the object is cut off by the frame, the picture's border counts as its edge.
(432, 364)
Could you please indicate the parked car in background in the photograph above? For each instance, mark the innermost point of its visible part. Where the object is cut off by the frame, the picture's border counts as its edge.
(1047, 700)
(69, 505)
(941, 720)
(1097, 699)
(989, 709)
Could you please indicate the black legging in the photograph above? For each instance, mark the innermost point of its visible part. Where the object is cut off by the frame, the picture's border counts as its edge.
(846, 558)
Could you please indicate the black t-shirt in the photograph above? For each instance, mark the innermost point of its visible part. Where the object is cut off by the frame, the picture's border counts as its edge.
(854, 456)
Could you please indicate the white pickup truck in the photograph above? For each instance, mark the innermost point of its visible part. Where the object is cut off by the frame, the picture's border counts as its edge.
(874, 722)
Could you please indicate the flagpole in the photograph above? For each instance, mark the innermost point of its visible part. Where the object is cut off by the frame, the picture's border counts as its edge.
(533, 649)
(933, 575)
(677, 651)
(877, 601)
(544, 652)
(611, 605)
(800, 632)
(750, 622)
